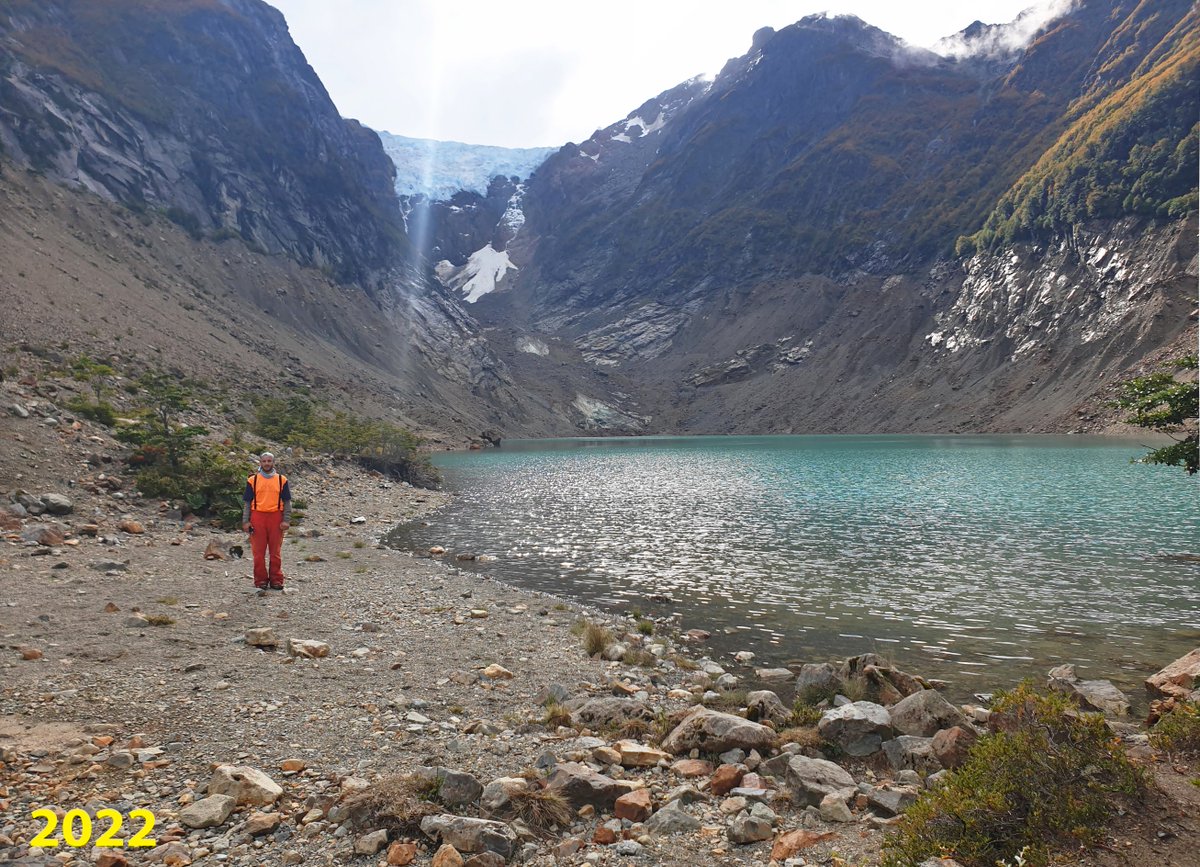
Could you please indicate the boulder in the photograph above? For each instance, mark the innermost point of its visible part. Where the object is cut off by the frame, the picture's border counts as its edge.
(581, 786)
(636, 806)
(497, 796)
(859, 728)
(690, 768)
(249, 786)
(908, 752)
(787, 844)
(454, 788)
(262, 637)
(713, 732)
(208, 812)
(810, 780)
(635, 755)
(1179, 680)
(951, 746)
(47, 535)
(307, 649)
(892, 800)
(369, 844)
(447, 856)
(1094, 695)
(57, 504)
(471, 835)
(608, 712)
(925, 713)
(892, 684)
(817, 679)
(726, 778)
(856, 666)
(748, 828)
(834, 808)
(671, 819)
(763, 705)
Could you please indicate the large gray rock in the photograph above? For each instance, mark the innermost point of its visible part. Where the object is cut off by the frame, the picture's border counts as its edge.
(859, 728)
(249, 786)
(713, 732)
(925, 713)
(817, 679)
(892, 800)
(580, 785)
(497, 796)
(763, 704)
(57, 504)
(471, 835)
(608, 712)
(208, 812)
(810, 780)
(1094, 695)
(746, 828)
(455, 788)
(908, 752)
(671, 819)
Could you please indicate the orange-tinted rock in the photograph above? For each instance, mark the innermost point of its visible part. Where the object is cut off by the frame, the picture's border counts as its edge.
(691, 768)
(727, 777)
(604, 835)
(951, 745)
(788, 844)
(402, 853)
(635, 806)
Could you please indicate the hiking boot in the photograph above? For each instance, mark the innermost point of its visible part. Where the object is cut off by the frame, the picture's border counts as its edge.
(276, 586)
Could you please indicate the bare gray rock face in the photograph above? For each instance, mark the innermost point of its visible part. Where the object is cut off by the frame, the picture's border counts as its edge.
(912, 753)
(671, 819)
(859, 728)
(712, 731)
(817, 678)
(925, 713)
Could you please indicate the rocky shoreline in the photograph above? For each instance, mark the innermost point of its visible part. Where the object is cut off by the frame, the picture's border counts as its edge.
(140, 671)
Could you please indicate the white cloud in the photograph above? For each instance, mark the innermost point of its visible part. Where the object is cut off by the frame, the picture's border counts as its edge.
(1011, 37)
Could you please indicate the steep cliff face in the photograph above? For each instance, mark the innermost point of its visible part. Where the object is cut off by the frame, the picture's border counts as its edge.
(204, 109)
(844, 233)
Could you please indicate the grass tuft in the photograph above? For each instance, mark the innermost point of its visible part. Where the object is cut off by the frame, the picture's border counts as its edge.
(542, 809)
(397, 803)
(1178, 731)
(596, 637)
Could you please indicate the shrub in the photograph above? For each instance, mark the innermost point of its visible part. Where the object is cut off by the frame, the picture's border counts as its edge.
(805, 714)
(397, 803)
(596, 637)
(102, 411)
(645, 626)
(556, 715)
(542, 809)
(637, 656)
(1179, 730)
(1046, 780)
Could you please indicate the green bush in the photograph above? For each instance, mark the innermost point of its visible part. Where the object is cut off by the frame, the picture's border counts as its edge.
(376, 445)
(1045, 781)
(1179, 730)
(102, 411)
(207, 480)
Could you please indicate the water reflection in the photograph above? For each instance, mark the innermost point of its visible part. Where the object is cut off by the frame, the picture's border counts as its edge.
(969, 558)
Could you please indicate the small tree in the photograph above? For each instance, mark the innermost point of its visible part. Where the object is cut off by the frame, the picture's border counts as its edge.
(1163, 402)
(95, 373)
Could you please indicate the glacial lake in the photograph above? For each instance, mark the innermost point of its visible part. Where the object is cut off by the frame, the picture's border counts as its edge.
(979, 560)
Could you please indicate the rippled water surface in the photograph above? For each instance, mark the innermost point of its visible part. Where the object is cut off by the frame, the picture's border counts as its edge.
(975, 559)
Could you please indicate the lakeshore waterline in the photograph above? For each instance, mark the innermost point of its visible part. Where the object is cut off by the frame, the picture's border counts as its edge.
(976, 559)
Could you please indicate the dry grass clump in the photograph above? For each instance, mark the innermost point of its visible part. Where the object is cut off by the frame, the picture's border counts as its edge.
(398, 803)
(806, 736)
(805, 715)
(542, 809)
(596, 637)
(639, 657)
(645, 626)
(684, 663)
(160, 620)
(556, 715)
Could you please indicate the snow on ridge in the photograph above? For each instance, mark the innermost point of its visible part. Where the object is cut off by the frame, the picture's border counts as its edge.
(636, 120)
(513, 217)
(622, 137)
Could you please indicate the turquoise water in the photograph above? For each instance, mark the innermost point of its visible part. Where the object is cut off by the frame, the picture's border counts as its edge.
(979, 560)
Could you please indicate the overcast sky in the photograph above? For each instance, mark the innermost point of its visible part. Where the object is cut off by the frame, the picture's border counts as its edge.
(526, 73)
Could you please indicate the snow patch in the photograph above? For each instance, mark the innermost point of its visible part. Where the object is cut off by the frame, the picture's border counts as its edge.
(593, 157)
(622, 137)
(480, 276)
(533, 346)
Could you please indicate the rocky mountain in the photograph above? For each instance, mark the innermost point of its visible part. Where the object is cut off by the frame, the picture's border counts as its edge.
(439, 169)
(838, 233)
(842, 232)
(205, 114)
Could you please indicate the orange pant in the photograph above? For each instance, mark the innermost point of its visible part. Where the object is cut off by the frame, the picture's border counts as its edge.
(265, 533)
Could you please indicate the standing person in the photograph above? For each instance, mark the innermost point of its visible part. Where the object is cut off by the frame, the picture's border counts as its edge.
(266, 516)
